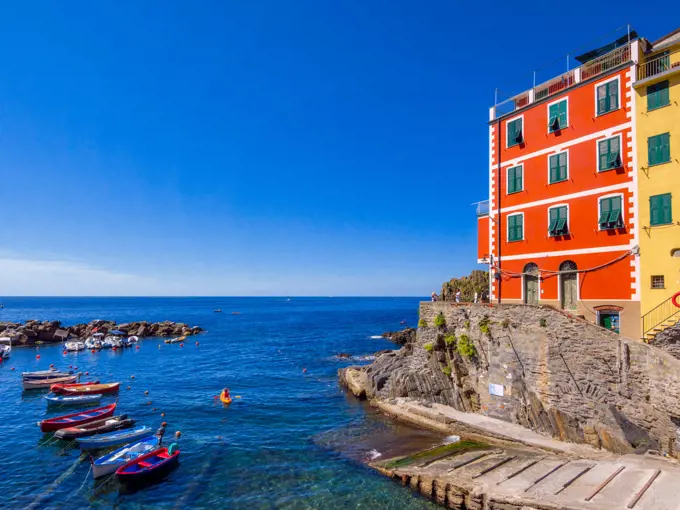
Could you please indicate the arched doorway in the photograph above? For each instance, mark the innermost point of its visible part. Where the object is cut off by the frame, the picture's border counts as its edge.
(530, 284)
(568, 285)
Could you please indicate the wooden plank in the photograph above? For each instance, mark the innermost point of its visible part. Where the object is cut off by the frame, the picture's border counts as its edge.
(605, 483)
(644, 488)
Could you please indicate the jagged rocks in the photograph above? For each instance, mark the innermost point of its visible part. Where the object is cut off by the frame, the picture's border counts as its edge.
(403, 337)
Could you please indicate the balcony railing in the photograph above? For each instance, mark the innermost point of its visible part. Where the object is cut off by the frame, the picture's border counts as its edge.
(595, 67)
(658, 65)
(482, 208)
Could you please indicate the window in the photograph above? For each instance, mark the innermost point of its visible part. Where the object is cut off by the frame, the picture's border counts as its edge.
(557, 116)
(609, 320)
(608, 153)
(558, 167)
(660, 212)
(515, 227)
(659, 149)
(658, 282)
(608, 97)
(610, 213)
(558, 221)
(515, 179)
(657, 95)
(515, 132)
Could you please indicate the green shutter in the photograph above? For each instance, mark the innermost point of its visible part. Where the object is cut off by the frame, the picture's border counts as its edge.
(613, 95)
(563, 113)
(515, 227)
(511, 179)
(660, 209)
(519, 185)
(609, 153)
(615, 214)
(519, 227)
(657, 95)
(554, 168)
(603, 151)
(557, 112)
(605, 208)
(659, 149)
(554, 216)
(562, 162)
(514, 179)
(601, 99)
(514, 132)
(653, 150)
(664, 148)
(666, 208)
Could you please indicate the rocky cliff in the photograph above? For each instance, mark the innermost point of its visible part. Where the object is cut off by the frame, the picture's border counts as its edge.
(537, 367)
(31, 332)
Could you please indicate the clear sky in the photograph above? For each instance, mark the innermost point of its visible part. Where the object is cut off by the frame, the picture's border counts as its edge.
(244, 147)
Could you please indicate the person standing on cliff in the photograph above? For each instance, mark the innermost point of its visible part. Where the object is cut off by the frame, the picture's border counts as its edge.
(434, 296)
(458, 296)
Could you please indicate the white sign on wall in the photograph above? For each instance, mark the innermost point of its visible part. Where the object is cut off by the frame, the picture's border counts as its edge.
(496, 389)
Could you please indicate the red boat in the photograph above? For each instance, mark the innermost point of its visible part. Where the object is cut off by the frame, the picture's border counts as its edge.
(70, 385)
(151, 466)
(86, 389)
(76, 419)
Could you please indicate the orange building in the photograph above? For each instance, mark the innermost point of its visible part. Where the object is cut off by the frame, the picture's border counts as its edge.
(560, 227)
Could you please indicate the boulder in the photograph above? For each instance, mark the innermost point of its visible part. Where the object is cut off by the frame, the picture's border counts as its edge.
(403, 337)
(355, 379)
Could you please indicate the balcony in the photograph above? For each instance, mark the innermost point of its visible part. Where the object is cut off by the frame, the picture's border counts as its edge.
(662, 65)
(591, 69)
(482, 208)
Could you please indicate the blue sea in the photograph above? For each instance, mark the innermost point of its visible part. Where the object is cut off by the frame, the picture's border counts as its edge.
(293, 440)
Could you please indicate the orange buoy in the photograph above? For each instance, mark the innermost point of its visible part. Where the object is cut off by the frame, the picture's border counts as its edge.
(163, 416)
(148, 403)
(178, 434)
(92, 351)
(37, 356)
(113, 348)
(137, 347)
(65, 352)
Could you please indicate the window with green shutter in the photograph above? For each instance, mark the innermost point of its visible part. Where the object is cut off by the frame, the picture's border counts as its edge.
(515, 227)
(658, 96)
(557, 116)
(558, 167)
(515, 136)
(608, 97)
(609, 153)
(558, 221)
(515, 181)
(610, 213)
(660, 209)
(659, 149)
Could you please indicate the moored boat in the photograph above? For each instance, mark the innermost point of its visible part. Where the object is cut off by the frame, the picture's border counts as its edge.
(5, 351)
(175, 340)
(74, 345)
(40, 384)
(150, 466)
(96, 427)
(93, 343)
(75, 419)
(110, 462)
(85, 389)
(76, 400)
(52, 373)
(111, 439)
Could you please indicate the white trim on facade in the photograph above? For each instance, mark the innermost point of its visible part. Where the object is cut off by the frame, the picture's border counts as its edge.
(635, 216)
(547, 110)
(604, 82)
(492, 138)
(548, 201)
(548, 163)
(566, 253)
(605, 133)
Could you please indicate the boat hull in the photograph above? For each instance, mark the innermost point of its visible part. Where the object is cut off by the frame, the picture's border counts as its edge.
(45, 374)
(112, 439)
(76, 419)
(148, 467)
(96, 427)
(86, 389)
(41, 384)
(81, 400)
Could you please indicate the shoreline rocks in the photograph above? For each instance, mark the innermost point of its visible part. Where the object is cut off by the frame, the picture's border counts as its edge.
(33, 332)
(403, 337)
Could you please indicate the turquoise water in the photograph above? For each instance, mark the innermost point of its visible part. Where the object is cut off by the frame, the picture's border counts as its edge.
(294, 440)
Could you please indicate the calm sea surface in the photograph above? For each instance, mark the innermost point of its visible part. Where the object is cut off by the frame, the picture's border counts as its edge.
(294, 440)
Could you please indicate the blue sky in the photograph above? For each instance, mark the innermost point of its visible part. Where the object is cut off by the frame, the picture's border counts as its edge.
(260, 147)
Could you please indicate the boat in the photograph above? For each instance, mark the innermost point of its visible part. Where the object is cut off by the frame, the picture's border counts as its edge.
(75, 419)
(52, 373)
(56, 386)
(40, 384)
(175, 340)
(112, 439)
(93, 343)
(218, 310)
(110, 462)
(74, 345)
(79, 400)
(5, 351)
(86, 389)
(130, 341)
(225, 399)
(96, 427)
(150, 466)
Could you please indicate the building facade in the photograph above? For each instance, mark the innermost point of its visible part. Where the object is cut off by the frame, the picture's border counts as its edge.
(657, 94)
(561, 226)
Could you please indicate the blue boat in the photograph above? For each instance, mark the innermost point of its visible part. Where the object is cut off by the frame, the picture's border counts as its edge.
(150, 466)
(110, 462)
(67, 400)
(117, 438)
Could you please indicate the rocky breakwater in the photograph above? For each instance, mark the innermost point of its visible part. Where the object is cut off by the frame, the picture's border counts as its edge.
(535, 367)
(35, 332)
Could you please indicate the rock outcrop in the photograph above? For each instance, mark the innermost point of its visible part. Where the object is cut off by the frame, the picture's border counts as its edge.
(538, 367)
(405, 336)
(32, 331)
(669, 340)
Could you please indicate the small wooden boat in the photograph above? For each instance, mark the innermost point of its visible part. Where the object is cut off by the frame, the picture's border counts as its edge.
(96, 427)
(77, 400)
(110, 462)
(87, 389)
(45, 374)
(41, 384)
(150, 466)
(111, 439)
(175, 340)
(58, 385)
(75, 419)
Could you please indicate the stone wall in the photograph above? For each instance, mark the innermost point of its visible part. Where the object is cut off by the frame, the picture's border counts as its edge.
(549, 371)
(669, 340)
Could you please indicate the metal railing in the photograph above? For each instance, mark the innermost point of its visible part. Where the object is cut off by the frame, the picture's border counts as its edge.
(658, 315)
(595, 67)
(606, 62)
(483, 208)
(658, 65)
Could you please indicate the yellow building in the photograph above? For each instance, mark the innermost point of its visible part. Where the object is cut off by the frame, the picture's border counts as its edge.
(657, 132)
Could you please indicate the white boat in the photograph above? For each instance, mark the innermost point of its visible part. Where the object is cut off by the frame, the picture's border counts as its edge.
(111, 342)
(74, 345)
(52, 373)
(117, 438)
(93, 343)
(175, 340)
(40, 384)
(109, 463)
(5, 351)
